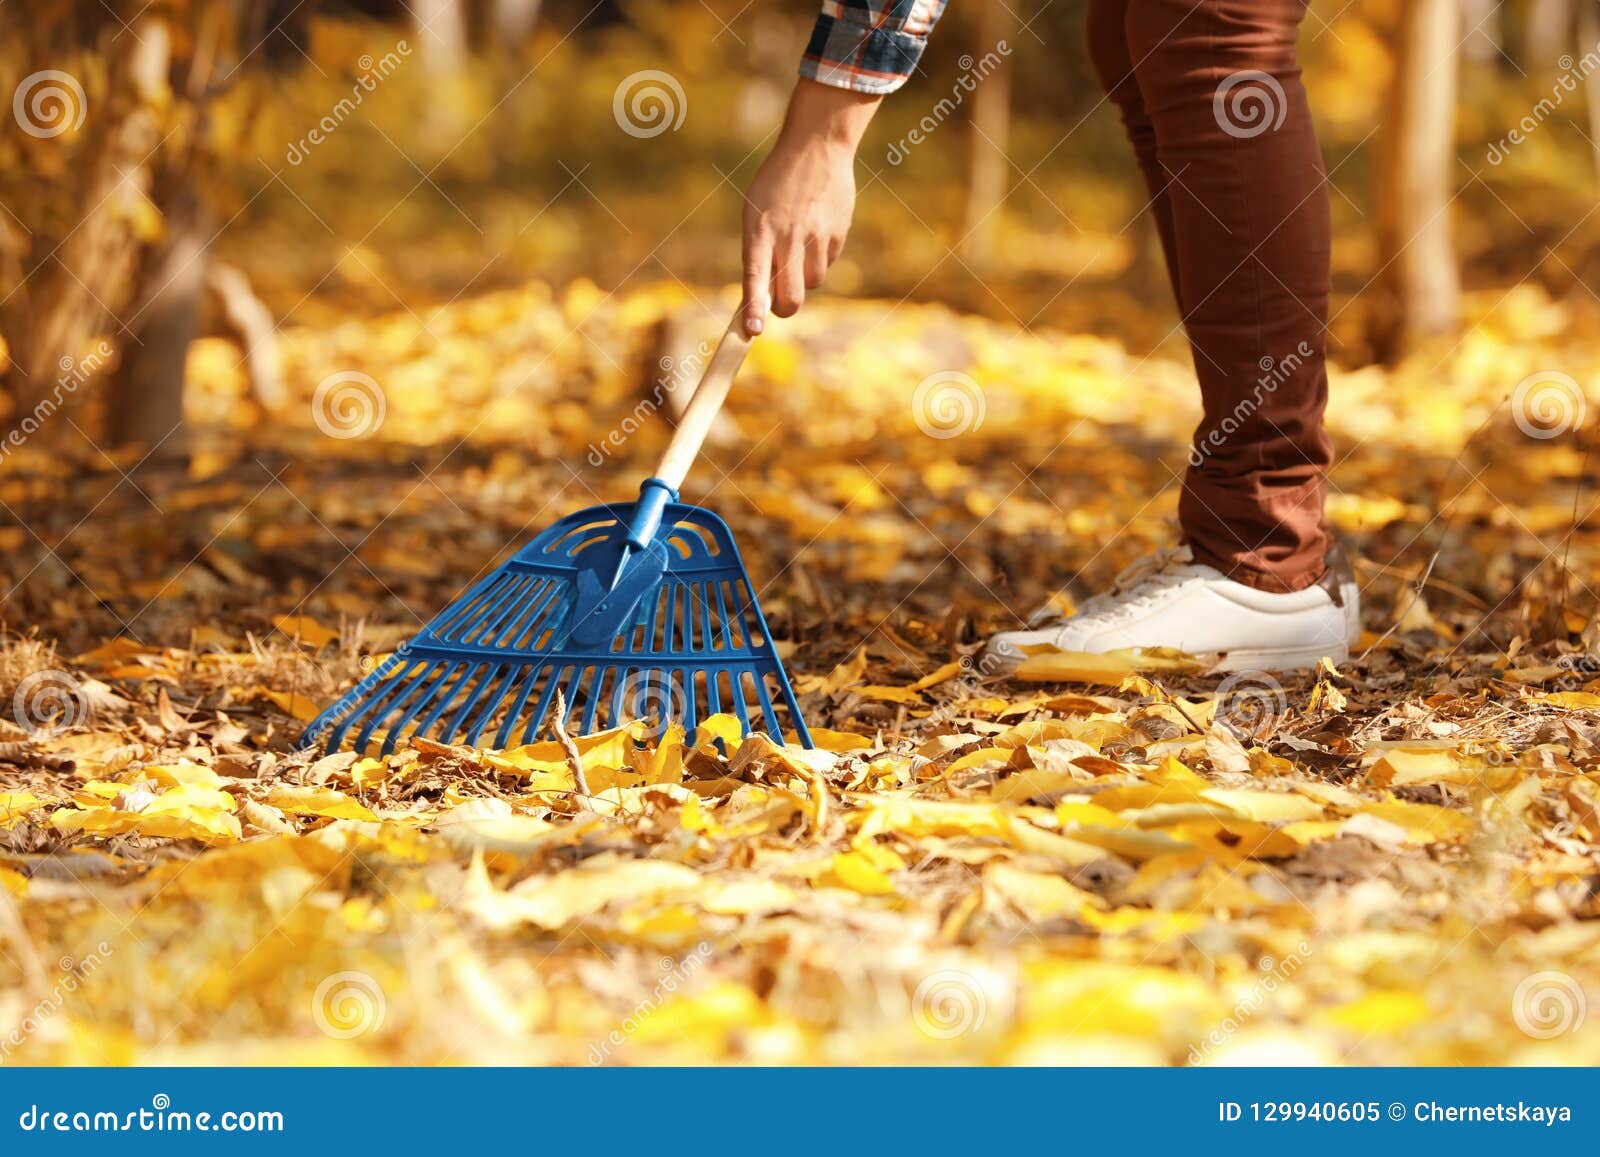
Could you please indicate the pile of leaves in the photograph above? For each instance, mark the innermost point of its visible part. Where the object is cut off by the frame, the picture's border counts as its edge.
(1105, 860)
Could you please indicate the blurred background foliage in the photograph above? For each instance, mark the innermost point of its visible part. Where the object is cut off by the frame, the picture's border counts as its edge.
(475, 147)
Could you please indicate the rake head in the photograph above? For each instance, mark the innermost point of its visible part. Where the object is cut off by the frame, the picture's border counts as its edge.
(663, 627)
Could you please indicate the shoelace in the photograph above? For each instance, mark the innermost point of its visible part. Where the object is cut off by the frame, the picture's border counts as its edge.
(1153, 572)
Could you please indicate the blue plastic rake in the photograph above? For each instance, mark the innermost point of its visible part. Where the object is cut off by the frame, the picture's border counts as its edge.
(620, 612)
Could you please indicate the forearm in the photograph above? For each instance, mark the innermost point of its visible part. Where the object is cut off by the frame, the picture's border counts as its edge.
(823, 116)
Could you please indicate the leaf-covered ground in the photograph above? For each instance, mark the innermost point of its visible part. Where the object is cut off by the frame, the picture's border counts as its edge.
(1392, 861)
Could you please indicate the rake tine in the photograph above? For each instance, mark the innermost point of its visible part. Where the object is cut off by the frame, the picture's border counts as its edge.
(372, 712)
(487, 674)
(542, 599)
(504, 677)
(458, 725)
(536, 720)
(484, 622)
(474, 601)
(435, 682)
(509, 724)
(460, 684)
(708, 639)
(768, 715)
(592, 704)
(357, 701)
(737, 681)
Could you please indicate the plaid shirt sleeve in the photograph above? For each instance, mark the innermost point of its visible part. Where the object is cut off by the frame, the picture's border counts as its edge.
(869, 46)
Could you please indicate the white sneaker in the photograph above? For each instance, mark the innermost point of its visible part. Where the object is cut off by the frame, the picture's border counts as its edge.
(1169, 600)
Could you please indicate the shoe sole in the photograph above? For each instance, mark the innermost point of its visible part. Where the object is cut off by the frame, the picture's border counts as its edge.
(1281, 659)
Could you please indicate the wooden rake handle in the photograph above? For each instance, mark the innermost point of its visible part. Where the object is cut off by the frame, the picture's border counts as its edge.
(704, 406)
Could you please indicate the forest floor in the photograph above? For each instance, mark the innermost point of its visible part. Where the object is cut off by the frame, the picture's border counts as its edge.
(1392, 861)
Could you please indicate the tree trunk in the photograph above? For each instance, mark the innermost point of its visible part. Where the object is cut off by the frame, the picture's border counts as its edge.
(76, 283)
(146, 399)
(1588, 37)
(1419, 287)
(512, 21)
(990, 75)
(1548, 32)
(442, 29)
(1481, 34)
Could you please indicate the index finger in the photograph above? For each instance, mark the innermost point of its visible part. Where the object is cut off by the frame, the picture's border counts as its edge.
(757, 278)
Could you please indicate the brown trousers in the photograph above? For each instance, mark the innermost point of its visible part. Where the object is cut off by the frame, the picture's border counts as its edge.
(1210, 95)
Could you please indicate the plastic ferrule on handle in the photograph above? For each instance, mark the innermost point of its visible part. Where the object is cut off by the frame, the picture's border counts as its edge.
(654, 494)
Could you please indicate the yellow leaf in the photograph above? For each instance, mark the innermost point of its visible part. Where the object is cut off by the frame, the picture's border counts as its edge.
(857, 872)
(1038, 896)
(14, 882)
(305, 629)
(294, 705)
(839, 742)
(1569, 700)
(1424, 823)
(1266, 806)
(552, 902)
(934, 678)
(1381, 1012)
(1108, 669)
(14, 805)
(321, 802)
(889, 694)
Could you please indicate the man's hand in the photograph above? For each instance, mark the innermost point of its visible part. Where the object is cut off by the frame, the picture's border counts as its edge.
(797, 210)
